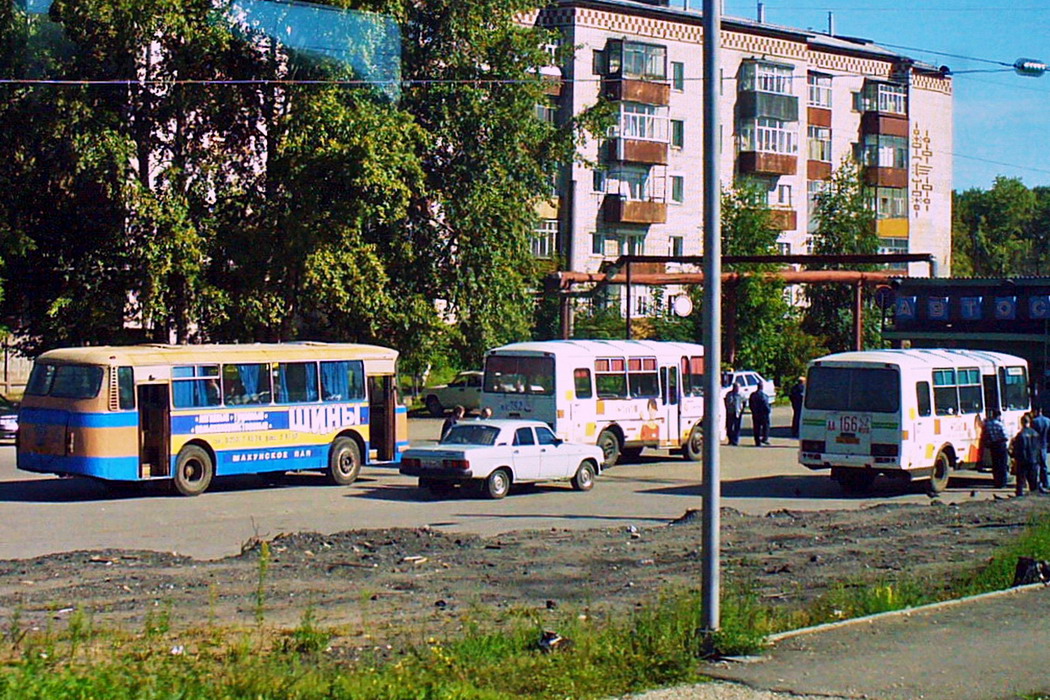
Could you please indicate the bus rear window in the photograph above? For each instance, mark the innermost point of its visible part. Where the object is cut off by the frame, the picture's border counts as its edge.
(873, 389)
(65, 381)
(506, 374)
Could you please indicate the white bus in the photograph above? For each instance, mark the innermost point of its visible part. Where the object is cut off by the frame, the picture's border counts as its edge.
(622, 395)
(912, 414)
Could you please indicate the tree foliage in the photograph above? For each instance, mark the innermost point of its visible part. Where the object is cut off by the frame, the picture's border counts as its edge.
(272, 211)
(1002, 231)
(845, 226)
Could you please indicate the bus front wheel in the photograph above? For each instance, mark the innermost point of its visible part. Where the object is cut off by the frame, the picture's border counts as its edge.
(344, 461)
(193, 470)
(942, 470)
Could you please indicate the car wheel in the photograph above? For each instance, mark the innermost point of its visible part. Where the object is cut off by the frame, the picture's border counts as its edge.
(434, 406)
(497, 485)
(609, 444)
(693, 449)
(942, 471)
(584, 478)
(344, 461)
(193, 470)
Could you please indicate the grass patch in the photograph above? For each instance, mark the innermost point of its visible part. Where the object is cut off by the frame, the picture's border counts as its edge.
(496, 656)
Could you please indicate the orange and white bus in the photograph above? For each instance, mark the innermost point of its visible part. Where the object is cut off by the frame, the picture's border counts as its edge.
(189, 413)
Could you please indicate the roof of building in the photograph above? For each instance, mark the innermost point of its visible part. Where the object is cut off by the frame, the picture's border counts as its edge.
(819, 40)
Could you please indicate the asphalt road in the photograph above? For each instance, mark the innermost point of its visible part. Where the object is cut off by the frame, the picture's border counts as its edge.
(44, 515)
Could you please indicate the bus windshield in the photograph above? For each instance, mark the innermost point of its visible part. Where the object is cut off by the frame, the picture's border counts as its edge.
(65, 381)
(506, 374)
(874, 390)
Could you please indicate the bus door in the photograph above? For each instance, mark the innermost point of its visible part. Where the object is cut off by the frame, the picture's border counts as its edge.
(382, 417)
(990, 382)
(670, 405)
(154, 430)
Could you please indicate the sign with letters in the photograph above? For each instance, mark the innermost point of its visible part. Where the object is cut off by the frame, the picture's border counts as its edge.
(937, 308)
(1039, 307)
(1005, 308)
(906, 308)
(970, 308)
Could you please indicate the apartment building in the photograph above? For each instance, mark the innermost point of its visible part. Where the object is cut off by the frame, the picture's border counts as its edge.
(795, 104)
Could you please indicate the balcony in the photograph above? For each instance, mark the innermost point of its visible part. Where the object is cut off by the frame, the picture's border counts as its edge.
(886, 177)
(892, 228)
(633, 90)
(617, 209)
(818, 170)
(888, 124)
(783, 219)
(762, 163)
(818, 116)
(638, 151)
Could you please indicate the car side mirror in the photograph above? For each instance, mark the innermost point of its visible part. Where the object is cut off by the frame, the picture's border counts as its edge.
(558, 441)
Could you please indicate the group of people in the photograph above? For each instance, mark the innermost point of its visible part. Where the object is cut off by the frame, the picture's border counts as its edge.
(761, 409)
(1027, 448)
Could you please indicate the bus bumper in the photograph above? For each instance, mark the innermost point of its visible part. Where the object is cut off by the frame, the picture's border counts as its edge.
(816, 460)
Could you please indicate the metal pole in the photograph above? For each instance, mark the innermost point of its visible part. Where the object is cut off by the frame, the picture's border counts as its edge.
(627, 335)
(712, 322)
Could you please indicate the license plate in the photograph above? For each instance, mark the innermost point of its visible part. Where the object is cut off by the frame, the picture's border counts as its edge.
(853, 425)
(431, 463)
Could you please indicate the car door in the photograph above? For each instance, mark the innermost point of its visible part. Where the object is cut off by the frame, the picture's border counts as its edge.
(555, 455)
(526, 455)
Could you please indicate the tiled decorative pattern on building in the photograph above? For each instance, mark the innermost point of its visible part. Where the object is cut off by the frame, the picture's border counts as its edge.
(933, 83)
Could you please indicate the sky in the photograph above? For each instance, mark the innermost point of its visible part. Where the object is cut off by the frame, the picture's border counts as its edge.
(999, 116)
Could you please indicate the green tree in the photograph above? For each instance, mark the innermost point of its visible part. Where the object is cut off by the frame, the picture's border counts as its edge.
(845, 226)
(995, 232)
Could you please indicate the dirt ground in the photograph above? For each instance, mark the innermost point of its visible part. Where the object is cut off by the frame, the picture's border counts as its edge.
(382, 586)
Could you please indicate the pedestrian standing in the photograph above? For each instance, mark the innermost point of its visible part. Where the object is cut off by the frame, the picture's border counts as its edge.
(457, 415)
(760, 410)
(995, 438)
(798, 392)
(1041, 425)
(1025, 449)
(734, 413)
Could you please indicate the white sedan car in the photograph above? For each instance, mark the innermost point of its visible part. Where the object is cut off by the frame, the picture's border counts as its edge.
(495, 454)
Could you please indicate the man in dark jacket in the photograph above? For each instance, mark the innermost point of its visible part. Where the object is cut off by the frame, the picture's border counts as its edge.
(760, 409)
(1041, 425)
(798, 392)
(457, 415)
(995, 439)
(734, 413)
(1025, 448)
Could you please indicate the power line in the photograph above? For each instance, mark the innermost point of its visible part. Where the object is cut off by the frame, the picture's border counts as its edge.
(998, 162)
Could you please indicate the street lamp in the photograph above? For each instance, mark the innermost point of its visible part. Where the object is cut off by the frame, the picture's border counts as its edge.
(1029, 67)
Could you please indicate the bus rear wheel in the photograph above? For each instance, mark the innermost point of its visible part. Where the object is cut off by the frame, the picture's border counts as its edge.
(344, 461)
(693, 449)
(193, 471)
(942, 470)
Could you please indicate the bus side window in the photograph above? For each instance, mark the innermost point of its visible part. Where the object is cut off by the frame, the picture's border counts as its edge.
(945, 392)
(922, 396)
(126, 388)
(295, 382)
(342, 380)
(581, 379)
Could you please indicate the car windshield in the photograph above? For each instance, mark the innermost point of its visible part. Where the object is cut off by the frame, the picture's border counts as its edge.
(471, 435)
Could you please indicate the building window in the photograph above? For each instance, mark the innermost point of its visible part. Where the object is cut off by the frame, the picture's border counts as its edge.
(678, 76)
(769, 136)
(819, 90)
(598, 181)
(677, 246)
(766, 77)
(887, 98)
(820, 143)
(597, 62)
(783, 248)
(813, 188)
(883, 151)
(677, 189)
(891, 246)
(780, 196)
(677, 133)
(632, 59)
(643, 122)
(543, 239)
(615, 244)
(633, 183)
(889, 202)
(546, 112)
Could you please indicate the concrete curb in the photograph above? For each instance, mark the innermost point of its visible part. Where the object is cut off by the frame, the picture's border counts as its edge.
(827, 626)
